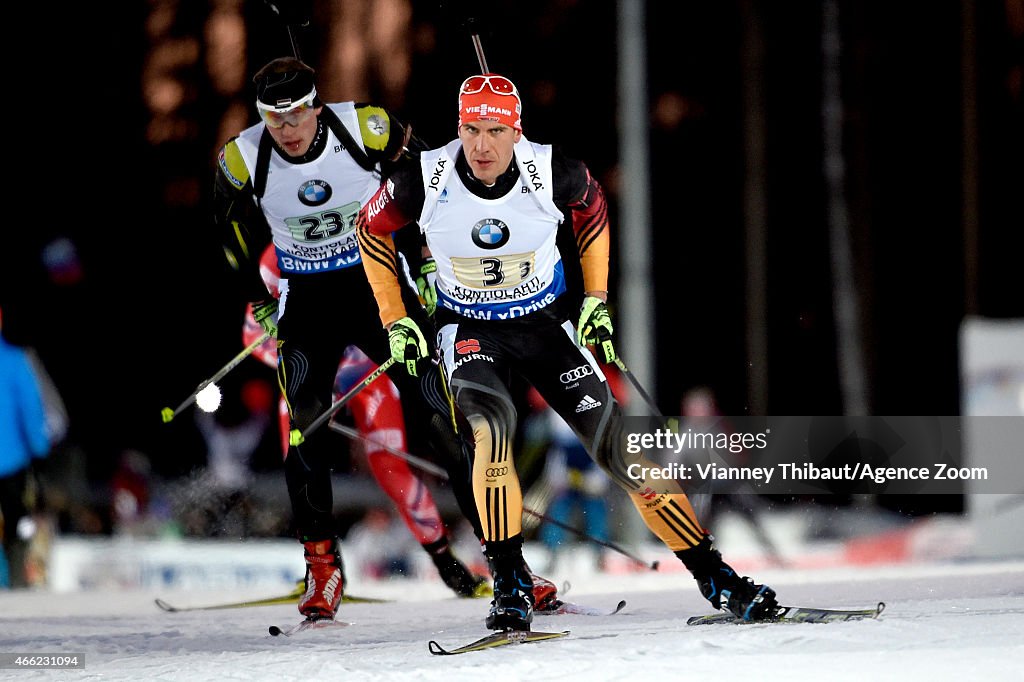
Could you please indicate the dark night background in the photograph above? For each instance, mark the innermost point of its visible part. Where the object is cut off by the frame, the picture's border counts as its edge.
(147, 310)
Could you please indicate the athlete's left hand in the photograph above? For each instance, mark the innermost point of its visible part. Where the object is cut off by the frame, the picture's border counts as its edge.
(595, 328)
(426, 282)
(265, 312)
(408, 345)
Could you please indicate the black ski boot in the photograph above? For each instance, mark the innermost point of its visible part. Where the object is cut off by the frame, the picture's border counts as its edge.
(721, 586)
(454, 573)
(512, 607)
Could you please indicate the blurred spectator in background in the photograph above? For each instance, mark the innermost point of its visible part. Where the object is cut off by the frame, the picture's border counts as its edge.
(140, 505)
(232, 434)
(380, 546)
(130, 491)
(24, 438)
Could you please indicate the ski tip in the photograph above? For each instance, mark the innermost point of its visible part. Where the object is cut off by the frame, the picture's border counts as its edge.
(356, 599)
(496, 639)
(618, 607)
(164, 605)
(308, 624)
(879, 609)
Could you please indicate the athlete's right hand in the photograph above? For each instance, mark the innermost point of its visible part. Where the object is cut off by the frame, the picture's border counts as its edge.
(265, 312)
(408, 345)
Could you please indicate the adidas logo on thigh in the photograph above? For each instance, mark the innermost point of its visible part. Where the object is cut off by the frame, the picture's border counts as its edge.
(587, 403)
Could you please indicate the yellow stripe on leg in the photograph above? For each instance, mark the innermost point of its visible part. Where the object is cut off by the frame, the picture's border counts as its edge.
(499, 499)
(671, 518)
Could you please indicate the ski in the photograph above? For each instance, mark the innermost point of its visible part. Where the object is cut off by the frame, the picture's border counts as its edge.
(290, 598)
(570, 608)
(495, 640)
(794, 614)
(565, 607)
(308, 624)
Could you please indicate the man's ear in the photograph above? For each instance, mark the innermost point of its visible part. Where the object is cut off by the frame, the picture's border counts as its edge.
(519, 135)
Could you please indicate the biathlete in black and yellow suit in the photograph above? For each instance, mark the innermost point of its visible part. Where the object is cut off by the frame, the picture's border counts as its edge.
(489, 205)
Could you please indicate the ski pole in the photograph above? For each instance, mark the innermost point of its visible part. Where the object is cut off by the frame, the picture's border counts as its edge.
(296, 437)
(605, 336)
(442, 474)
(423, 464)
(699, 501)
(639, 389)
(168, 414)
(653, 565)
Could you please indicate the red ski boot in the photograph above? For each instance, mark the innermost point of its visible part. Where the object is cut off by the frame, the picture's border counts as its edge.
(545, 594)
(324, 580)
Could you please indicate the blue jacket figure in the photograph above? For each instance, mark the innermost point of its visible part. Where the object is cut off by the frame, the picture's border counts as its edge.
(23, 438)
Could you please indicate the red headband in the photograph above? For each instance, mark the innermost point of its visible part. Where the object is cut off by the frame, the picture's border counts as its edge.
(490, 97)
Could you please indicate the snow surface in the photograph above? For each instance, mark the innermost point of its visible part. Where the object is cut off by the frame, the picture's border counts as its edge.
(955, 621)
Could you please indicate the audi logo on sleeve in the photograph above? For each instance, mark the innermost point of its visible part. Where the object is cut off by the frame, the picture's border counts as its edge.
(576, 374)
(496, 471)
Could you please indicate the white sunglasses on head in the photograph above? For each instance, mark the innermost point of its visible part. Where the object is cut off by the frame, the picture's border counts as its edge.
(292, 113)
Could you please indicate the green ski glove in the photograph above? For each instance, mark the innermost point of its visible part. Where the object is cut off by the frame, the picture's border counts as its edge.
(408, 346)
(265, 312)
(595, 328)
(426, 282)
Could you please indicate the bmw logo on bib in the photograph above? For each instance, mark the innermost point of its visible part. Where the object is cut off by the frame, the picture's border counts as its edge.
(314, 192)
(490, 233)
